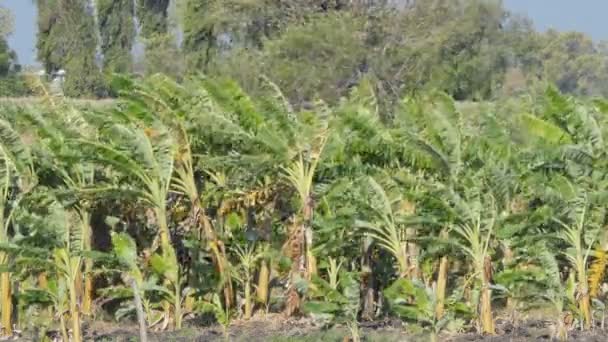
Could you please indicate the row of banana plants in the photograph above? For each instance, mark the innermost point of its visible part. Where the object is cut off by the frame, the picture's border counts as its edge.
(188, 198)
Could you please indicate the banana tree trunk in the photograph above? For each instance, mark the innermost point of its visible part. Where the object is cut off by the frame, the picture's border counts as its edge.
(169, 252)
(139, 309)
(507, 260)
(584, 301)
(163, 228)
(78, 285)
(43, 281)
(585, 307)
(299, 250)
(87, 300)
(6, 295)
(218, 254)
(63, 328)
(442, 280)
(311, 261)
(487, 320)
(368, 282)
(7, 303)
(75, 315)
(263, 283)
(412, 253)
(87, 294)
(403, 260)
(178, 307)
(561, 330)
(248, 301)
(294, 249)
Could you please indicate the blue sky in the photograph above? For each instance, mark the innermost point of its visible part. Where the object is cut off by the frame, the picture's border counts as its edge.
(580, 15)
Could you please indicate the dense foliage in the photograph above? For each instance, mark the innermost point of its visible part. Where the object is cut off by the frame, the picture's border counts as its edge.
(182, 199)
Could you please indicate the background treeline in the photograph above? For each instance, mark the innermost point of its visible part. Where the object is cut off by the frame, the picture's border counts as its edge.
(471, 49)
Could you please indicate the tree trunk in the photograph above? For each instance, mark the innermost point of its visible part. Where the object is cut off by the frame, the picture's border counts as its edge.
(487, 321)
(63, 328)
(141, 316)
(43, 281)
(561, 329)
(218, 252)
(294, 249)
(404, 264)
(87, 236)
(163, 229)
(7, 303)
(585, 302)
(412, 252)
(78, 284)
(178, 307)
(248, 302)
(169, 252)
(442, 280)
(368, 281)
(299, 249)
(263, 283)
(87, 300)
(311, 261)
(75, 315)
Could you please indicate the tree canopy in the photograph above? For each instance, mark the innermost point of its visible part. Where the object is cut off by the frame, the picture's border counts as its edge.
(471, 49)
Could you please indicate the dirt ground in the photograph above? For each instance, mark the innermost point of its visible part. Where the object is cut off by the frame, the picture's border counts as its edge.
(277, 329)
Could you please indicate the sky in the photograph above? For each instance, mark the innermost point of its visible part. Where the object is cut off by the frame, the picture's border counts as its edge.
(580, 15)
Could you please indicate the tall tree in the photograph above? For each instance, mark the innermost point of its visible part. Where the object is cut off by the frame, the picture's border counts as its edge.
(117, 29)
(67, 40)
(153, 15)
(8, 57)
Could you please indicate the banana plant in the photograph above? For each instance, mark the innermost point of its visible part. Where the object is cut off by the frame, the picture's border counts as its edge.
(126, 251)
(387, 232)
(247, 261)
(389, 228)
(580, 235)
(161, 101)
(222, 315)
(336, 301)
(52, 128)
(144, 287)
(62, 257)
(556, 291)
(16, 176)
(476, 229)
(300, 175)
(415, 302)
(146, 156)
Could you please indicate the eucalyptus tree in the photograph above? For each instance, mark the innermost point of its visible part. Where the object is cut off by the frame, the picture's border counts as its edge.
(118, 33)
(65, 25)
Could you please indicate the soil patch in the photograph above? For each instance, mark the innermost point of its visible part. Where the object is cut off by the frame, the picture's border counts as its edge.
(275, 328)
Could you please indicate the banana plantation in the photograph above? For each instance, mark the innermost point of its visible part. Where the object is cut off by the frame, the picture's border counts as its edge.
(186, 200)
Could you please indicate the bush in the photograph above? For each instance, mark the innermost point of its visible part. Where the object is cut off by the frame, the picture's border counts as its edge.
(14, 86)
